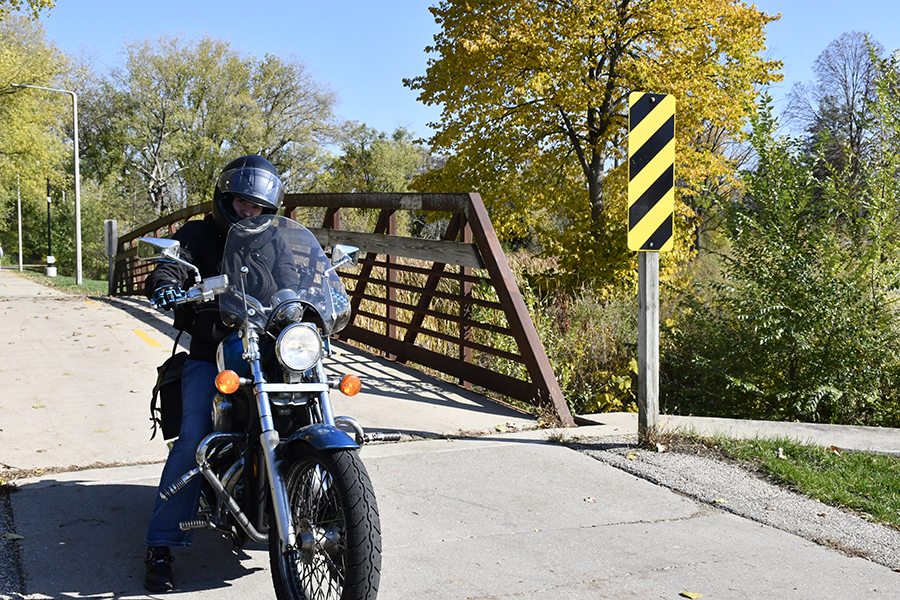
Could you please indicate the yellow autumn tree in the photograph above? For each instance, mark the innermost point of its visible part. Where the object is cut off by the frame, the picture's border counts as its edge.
(32, 8)
(534, 98)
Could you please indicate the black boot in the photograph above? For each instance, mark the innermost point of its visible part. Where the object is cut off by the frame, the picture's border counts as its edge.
(159, 569)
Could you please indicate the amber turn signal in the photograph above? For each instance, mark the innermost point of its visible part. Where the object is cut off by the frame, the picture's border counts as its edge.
(350, 385)
(228, 382)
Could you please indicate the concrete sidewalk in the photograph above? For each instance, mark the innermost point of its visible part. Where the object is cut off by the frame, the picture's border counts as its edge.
(505, 515)
(847, 437)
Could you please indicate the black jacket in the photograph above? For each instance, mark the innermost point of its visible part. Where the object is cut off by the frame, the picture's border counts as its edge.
(270, 264)
(201, 245)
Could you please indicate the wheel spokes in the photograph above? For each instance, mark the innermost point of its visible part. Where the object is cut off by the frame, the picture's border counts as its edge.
(318, 565)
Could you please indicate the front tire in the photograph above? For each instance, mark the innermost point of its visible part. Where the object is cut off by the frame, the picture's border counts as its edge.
(335, 516)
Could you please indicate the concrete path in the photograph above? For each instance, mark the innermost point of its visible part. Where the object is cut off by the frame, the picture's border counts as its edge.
(507, 515)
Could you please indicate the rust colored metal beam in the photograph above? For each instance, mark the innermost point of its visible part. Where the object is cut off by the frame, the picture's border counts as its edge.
(549, 393)
(431, 284)
(491, 380)
(461, 320)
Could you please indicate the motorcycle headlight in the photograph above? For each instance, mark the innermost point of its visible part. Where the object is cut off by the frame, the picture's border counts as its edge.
(299, 347)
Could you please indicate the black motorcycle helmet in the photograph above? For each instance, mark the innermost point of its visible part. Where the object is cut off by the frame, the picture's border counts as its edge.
(251, 178)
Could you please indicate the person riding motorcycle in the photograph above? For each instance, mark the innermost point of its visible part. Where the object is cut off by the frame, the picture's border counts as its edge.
(247, 187)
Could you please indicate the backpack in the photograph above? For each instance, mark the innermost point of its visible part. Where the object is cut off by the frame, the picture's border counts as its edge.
(165, 405)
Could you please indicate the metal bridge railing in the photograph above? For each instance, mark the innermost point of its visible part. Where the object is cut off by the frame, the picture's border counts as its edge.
(449, 305)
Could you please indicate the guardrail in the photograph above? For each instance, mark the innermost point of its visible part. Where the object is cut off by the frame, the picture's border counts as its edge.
(449, 305)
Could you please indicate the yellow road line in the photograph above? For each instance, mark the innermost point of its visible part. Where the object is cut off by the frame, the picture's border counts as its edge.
(146, 338)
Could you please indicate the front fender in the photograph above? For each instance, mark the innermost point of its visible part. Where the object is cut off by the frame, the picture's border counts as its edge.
(320, 437)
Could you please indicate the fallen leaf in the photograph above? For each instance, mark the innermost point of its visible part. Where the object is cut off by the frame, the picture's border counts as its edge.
(631, 456)
(720, 500)
(692, 595)
(39, 406)
(500, 428)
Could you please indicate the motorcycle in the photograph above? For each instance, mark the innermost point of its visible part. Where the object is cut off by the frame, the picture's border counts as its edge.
(279, 467)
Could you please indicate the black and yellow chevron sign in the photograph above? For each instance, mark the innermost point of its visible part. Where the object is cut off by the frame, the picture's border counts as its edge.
(651, 172)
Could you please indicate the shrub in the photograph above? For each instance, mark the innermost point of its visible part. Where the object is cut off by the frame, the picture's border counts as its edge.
(802, 326)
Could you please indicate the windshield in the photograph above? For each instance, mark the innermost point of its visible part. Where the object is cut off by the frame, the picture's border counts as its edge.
(284, 263)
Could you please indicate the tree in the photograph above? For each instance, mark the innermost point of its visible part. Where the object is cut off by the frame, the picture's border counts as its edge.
(29, 117)
(32, 138)
(836, 111)
(296, 120)
(178, 110)
(534, 98)
(373, 162)
(152, 87)
(803, 325)
(34, 7)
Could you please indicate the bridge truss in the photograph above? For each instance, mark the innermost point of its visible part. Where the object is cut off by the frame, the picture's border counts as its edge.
(447, 303)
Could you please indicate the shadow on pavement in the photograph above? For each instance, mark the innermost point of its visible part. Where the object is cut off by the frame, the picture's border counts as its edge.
(139, 308)
(86, 539)
(385, 378)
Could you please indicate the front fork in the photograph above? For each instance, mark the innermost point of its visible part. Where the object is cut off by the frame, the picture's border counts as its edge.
(269, 440)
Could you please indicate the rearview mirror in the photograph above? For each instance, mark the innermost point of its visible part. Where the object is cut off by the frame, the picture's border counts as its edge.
(150, 248)
(344, 255)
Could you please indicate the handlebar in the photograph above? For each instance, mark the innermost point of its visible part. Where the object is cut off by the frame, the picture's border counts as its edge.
(204, 291)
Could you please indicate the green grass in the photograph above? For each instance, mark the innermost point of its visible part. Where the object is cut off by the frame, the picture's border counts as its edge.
(88, 287)
(866, 483)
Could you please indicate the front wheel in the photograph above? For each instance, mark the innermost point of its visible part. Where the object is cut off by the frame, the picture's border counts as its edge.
(335, 517)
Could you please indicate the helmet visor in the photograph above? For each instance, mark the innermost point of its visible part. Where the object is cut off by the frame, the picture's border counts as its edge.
(254, 185)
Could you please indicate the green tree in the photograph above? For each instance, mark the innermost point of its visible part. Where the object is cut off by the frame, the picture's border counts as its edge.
(836, 111)
(32, 138)
(534, 98)
(371, 161)
(296, 120)
(178, 110)
(802, 327)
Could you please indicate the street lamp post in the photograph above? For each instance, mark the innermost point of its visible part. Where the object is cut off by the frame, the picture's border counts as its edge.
(78, 279)
(51, 260)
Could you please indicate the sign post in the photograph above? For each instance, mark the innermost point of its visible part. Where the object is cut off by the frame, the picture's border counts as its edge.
(110, 243)
(651, 216)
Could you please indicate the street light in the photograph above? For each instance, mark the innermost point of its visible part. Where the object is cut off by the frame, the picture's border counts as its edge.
(77, 174)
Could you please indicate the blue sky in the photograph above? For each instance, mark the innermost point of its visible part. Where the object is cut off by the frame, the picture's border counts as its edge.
(364, 48)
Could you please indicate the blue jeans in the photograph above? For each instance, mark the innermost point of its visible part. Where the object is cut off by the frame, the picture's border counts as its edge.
(198, 388)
